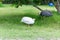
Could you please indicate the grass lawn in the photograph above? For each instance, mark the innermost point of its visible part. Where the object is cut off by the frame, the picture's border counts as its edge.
(12, 28)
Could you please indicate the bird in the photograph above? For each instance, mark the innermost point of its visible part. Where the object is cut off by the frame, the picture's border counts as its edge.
(28, 20)
(46, 13)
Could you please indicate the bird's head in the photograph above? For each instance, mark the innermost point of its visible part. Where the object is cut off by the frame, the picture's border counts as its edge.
(34, 19)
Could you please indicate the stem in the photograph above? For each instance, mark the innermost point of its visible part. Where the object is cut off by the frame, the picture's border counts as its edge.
(36, 6)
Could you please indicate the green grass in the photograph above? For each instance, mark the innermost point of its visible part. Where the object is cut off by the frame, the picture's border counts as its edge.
(11, 27)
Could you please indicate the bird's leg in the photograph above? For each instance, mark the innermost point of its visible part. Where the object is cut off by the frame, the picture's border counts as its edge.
(31, 25)
(27, 25)
(42, 17)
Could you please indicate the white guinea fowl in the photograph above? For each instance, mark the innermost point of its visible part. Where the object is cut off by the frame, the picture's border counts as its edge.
(28, 20)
